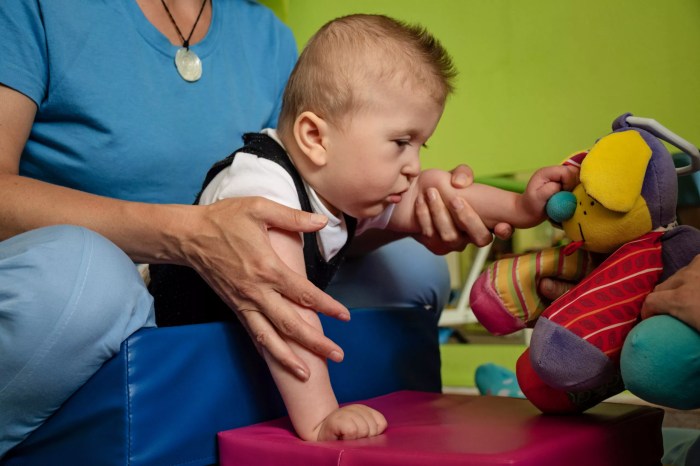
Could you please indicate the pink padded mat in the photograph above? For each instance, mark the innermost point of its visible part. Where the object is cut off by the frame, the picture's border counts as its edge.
(445, 430)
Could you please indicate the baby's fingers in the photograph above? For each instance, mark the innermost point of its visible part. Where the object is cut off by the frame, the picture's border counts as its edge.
(361, 422)
(379, 422)
(370, 422)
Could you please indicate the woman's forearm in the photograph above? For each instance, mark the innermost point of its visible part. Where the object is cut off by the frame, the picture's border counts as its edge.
(146, 232)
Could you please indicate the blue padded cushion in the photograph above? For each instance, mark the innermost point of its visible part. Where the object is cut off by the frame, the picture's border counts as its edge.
(164, 397)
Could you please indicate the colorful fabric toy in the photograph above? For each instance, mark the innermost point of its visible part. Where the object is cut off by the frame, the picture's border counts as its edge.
(624, 240)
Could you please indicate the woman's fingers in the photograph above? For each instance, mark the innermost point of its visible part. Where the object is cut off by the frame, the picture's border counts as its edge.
(301, 291)
(233, 253)
(469, 222)
(442, 219)
(268, 312)
(462, 176)
(267, 339)
(552, 289)
(290, 284)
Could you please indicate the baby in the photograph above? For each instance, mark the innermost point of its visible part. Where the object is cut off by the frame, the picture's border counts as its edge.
(364, 97)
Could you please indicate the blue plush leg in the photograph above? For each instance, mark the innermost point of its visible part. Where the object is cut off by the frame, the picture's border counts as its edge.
(498, 381)
(660, 362)
(68, 298)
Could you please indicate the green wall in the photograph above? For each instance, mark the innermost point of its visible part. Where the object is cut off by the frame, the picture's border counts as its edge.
(541, 79)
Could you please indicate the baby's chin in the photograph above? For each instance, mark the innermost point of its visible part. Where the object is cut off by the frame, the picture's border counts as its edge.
(369, 211)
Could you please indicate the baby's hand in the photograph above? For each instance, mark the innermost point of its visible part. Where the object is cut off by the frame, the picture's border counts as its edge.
(544, 183)
(352, 422)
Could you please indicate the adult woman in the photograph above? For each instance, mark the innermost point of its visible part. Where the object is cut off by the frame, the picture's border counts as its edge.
(103, 141)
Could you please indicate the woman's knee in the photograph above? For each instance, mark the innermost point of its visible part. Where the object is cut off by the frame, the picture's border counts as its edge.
(68, 298)
(660, 362)
(71, 278)
(424, 277)
(402, 273)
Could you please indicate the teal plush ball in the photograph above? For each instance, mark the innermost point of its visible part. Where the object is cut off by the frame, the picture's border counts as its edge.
(561, 206)
(660, 362)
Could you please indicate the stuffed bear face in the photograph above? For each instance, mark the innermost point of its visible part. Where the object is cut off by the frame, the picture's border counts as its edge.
(601, 229)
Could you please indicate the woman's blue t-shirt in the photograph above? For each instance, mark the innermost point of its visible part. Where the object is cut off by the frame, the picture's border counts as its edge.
(114, 117)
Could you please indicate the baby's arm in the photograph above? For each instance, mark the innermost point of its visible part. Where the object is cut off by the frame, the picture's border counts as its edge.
(311, 405)
(493, 205)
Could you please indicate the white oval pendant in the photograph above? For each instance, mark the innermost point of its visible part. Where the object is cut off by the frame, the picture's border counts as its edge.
(188, 65)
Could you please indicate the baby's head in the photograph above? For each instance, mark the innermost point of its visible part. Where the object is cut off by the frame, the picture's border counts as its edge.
(366, 94)
(353, 55)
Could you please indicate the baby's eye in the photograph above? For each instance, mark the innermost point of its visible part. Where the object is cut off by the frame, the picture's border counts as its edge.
(402, 142)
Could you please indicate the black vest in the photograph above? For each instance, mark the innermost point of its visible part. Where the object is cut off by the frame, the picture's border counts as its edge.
(183, 297)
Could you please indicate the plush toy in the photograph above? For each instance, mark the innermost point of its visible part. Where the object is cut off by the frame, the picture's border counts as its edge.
(624, 240)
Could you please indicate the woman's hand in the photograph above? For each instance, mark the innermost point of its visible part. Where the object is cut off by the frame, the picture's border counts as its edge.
(551, 289)
(452, 227)
(226, 242)
(230, 248)
(678, 296)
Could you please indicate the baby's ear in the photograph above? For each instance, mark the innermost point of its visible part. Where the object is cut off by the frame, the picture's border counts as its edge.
(310, 133)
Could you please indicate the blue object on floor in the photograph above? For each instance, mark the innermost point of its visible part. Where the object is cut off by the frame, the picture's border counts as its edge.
(497, 381)
(444, 334)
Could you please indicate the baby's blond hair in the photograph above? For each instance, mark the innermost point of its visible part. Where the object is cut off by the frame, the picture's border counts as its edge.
(359, 50)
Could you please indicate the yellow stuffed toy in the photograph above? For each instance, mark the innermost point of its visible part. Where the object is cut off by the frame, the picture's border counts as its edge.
(624, 240)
